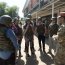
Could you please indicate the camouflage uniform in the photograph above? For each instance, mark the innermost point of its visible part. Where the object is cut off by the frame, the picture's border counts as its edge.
(60, 55)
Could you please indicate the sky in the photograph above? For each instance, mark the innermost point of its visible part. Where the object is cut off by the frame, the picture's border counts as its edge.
(18, 3)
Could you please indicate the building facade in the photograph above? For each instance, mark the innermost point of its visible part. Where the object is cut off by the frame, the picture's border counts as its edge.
(42, 8)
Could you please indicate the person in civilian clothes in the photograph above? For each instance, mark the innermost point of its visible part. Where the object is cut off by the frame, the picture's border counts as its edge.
(53, 28)
(41, 36)
(18, 32)
(29, 37)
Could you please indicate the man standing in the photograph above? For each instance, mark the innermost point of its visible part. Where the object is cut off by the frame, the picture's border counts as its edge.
(29, 37)
(18, 32)
(8, 41)
(60, 53)
(53, 28)
(41, 32)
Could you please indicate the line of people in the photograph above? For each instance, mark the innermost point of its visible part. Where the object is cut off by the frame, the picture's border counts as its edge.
(13, 33)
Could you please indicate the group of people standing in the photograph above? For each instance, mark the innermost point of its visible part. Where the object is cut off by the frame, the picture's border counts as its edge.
(29, 32)
(57, 38)
(11, 35)
(10, 40)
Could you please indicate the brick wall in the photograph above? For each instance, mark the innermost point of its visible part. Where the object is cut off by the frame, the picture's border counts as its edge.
(34, 2)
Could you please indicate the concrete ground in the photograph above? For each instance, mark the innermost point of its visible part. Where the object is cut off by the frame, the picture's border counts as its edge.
(40, 58)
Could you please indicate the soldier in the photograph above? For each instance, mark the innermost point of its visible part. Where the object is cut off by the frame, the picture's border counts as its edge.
(41, 32)
(60, 54)
(53, 28)
(8, 41)
(18, 32)
(29, 37)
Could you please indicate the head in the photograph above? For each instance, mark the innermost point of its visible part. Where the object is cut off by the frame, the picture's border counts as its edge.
(61, 35)
(54, 19)
(29, 16)
(39, 20)
(28, 21)
(16, 21)
(6, 20)
(61, 18)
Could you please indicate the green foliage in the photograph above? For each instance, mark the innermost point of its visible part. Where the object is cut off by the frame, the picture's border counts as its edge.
(12, 11)
(3, 5)
(4, 9)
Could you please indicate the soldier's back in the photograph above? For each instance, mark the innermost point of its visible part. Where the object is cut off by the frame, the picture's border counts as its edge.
(60, 55)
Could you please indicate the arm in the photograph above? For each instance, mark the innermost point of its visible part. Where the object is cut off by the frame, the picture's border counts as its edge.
(32, 28)
(25, 29)
(20, 33)
(10, 34)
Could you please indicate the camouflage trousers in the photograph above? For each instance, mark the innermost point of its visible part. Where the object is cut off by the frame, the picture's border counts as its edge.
(60, 56)
(29, 41)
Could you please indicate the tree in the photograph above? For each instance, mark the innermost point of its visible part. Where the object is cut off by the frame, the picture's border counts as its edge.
(12, 11)
(2, 8)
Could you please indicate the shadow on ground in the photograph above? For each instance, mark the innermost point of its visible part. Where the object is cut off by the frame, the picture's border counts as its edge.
(46, 58)
(19, 61)
(32, 60)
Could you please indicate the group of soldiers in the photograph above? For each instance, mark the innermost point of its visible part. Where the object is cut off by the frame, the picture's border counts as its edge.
(11, 35)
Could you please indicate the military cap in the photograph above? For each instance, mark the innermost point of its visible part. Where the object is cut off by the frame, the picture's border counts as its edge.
(15, 19)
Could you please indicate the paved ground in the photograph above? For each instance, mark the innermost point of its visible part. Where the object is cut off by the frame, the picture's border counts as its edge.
(40, 58)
